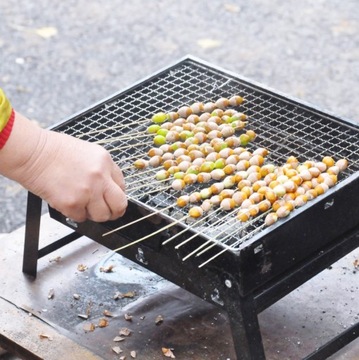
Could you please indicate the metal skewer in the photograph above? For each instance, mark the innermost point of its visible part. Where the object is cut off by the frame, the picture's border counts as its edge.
(135, 135)
(184, 230)
(132, 157)
(97, 131)
(138, 220)
(150, 235)
(124, 137)
(146, 185)
(204, 244)
(215, 223)
(128, 147)
(214, 242)
(151, 170)
(150, 192)
(225, 249)
(194, 251)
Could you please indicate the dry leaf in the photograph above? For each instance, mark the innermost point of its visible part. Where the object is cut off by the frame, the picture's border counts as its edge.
(118, 339)
(208, 43)
(44, 336)
(125, 332)
(56, 259)
(129, 294)
(51, 294)
(232, 8)
(46, 32)
(117, 349)
(356, 263)
(128, 317)
(83, 316)
(168, 353)
(119, 295)
(133, 354)
(89, 327)
(102, 323)
(107, 313)
(344, 27)
(81, 267)
(159, 320)
(106, 269)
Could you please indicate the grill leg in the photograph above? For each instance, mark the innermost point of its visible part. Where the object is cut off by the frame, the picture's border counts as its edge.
(245, 328)
(32, 232)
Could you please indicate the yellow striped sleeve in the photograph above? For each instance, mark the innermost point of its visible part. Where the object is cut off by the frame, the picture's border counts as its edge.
(5, 110)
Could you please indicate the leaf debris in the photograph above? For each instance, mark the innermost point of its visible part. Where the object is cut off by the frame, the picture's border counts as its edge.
(119, 295)
(118, 339)
(125, 332)
(82, 267)
(83, 316)
(46, 32)
(107, 313)
(45, 336)
(159, 320)
(128, 317)
(232, 8)
(168, 353)
(208, 43)
(117, 349)
(89, 327)
(107, 269)
(51, 294)
(102, 323)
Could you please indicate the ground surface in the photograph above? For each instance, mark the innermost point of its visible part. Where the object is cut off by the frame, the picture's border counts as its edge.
(195, 329)
(58, 58)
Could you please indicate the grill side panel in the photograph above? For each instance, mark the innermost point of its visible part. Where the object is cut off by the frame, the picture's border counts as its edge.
(286, 246)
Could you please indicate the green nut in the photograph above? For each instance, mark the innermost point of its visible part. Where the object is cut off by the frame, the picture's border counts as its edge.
(160, 118)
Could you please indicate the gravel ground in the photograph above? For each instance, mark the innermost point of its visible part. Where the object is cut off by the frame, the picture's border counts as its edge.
(60, 57)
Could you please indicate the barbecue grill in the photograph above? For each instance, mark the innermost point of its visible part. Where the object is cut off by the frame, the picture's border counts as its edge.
(242, 267)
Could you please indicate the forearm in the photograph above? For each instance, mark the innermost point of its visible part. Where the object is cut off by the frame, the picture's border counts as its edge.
(18, 156)
(76, 177)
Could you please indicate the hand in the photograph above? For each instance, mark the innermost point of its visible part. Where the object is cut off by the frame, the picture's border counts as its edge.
(75, 177)
(79, 179)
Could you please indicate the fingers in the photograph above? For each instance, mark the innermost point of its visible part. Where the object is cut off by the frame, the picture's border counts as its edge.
(111, 206)
(76, 212)
(116, 200)
(100, 206)
(90, 186)
(118, 178)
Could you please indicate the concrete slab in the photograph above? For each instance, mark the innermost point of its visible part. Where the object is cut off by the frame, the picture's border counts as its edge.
(194, 329)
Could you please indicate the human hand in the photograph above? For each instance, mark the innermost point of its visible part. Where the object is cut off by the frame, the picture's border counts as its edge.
(79, 179)
(73, 176)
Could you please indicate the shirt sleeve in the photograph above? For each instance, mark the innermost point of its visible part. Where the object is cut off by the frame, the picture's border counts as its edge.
(5, 110)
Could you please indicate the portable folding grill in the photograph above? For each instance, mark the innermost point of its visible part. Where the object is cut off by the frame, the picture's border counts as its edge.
(241, 267)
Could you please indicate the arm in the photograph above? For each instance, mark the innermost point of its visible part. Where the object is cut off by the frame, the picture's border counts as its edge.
(77, 178)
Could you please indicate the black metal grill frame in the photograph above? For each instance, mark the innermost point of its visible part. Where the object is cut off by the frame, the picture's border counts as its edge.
(283, 125)
(272, 261)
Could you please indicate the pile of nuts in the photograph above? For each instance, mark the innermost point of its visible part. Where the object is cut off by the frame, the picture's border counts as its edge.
(206, 143)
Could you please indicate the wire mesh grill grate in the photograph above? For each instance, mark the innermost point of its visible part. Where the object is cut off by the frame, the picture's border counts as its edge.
(284, 126)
